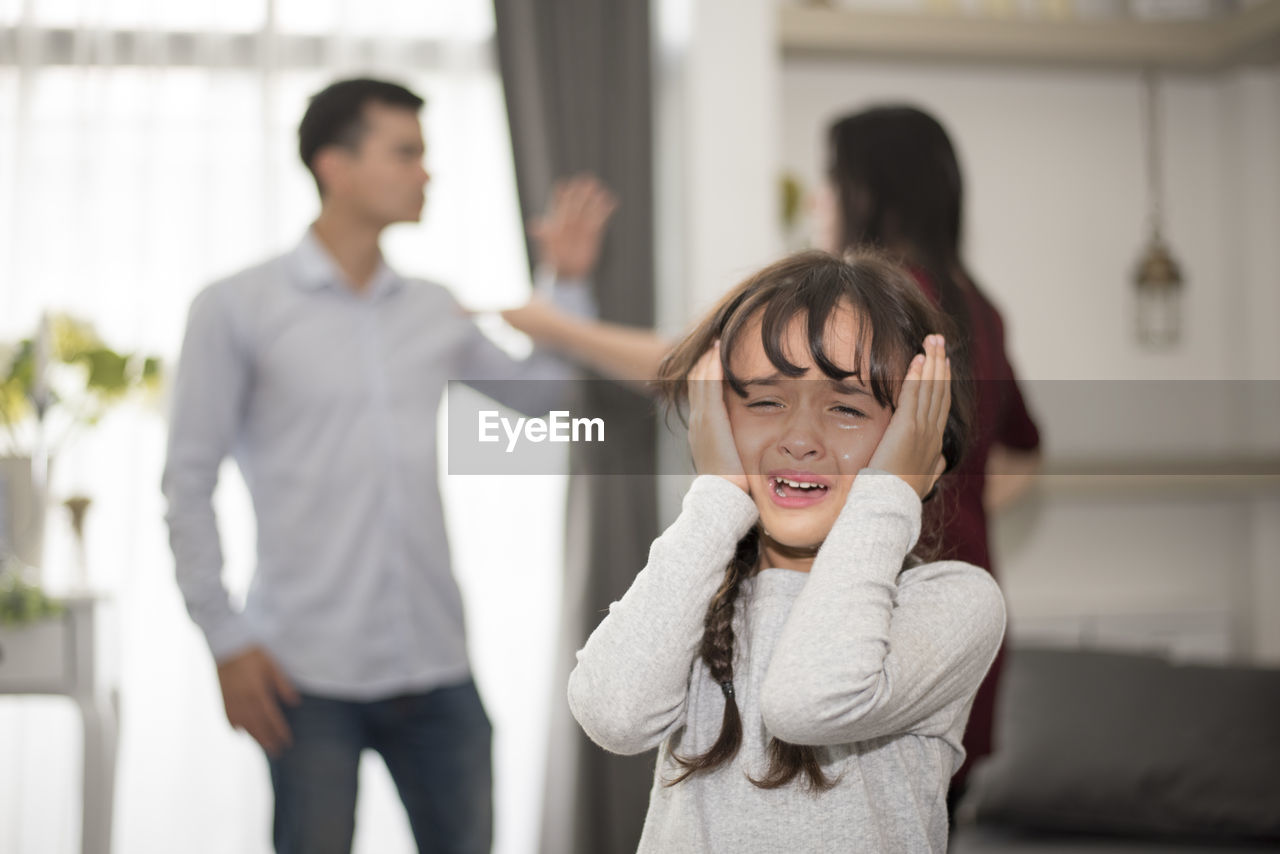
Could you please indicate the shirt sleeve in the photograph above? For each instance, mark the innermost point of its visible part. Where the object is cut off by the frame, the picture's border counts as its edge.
(538, 383)
(867, 652)
(209, 394)
(572, 296)
(629, 688)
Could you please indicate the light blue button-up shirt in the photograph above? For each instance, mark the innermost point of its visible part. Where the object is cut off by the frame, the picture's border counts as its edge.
(327, 399)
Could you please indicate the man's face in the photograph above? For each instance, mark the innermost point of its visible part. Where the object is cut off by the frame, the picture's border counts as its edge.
(383, 180)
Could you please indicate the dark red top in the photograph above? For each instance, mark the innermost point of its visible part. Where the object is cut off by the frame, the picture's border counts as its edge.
(957, 513)
(1000, 417)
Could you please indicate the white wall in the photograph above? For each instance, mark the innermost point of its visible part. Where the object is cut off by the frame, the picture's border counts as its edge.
(731, 138)
(1054, 164)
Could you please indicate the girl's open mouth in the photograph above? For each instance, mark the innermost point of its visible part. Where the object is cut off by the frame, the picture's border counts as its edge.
(796, 491)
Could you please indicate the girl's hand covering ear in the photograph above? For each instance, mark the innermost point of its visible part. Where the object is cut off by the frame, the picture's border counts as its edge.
(911, 446)
(710, 436)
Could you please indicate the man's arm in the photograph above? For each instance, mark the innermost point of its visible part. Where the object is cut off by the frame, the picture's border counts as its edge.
(209, 397)
(209, 394)
(569, 238)
(620, 352)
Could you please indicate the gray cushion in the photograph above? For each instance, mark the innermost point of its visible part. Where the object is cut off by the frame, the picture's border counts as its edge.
(1001, 839)
(1103, 742)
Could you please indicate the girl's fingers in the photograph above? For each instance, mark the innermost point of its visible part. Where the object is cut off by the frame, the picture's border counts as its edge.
(710, 434)
(912, 444)
(910, 392)
(935, 395)
(926, 380)
(936, 385)
(698, 368)
(702, 392)
(935, 388)
(944, 410)
(703, 367)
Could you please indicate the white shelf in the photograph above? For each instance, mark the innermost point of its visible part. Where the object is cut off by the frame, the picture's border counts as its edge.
(1248, 37)
(1223, 477)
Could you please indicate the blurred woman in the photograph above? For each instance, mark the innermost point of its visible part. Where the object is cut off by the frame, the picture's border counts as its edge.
(894, 182)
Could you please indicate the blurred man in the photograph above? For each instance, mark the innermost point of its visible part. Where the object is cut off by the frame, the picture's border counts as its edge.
(320, 372)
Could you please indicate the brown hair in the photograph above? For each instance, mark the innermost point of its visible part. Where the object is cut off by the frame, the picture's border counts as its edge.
(336, 116)
(896, 317)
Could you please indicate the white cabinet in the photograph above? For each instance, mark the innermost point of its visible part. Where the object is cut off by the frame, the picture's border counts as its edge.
(34, 659)
(63, 656)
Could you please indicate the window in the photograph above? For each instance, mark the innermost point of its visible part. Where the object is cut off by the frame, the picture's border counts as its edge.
(145, 150)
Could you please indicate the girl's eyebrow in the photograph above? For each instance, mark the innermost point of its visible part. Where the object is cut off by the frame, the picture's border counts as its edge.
(845, 386)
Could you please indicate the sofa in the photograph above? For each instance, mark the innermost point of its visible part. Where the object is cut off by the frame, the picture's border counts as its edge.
(1122, 753)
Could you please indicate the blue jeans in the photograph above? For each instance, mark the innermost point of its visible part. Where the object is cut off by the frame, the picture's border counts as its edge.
(436, 746)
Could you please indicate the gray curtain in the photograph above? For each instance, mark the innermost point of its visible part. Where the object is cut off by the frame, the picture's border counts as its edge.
(577, 79)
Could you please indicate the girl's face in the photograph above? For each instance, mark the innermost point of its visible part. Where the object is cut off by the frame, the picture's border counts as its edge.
(801, 441)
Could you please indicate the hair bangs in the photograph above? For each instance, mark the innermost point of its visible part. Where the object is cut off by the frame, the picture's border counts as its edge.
(819, 294)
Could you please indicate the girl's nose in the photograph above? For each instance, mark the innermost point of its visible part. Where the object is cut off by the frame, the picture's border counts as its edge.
(799, 440)
(798, 450)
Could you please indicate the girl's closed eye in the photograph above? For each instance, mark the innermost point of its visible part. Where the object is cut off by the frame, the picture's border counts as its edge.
(849, 411)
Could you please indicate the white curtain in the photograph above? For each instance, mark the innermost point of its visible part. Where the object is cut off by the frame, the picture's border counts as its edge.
(147, 148)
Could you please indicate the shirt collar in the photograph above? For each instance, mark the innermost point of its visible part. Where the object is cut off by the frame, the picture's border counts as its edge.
(313, 269)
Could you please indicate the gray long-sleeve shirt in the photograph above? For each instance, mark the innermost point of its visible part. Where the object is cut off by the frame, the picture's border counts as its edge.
(875, 665)
(328, 400)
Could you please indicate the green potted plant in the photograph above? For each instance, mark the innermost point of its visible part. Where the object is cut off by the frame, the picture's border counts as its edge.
(53, 384)
(21, 600)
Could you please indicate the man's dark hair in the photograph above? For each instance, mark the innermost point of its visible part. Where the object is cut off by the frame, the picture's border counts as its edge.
(335, 115)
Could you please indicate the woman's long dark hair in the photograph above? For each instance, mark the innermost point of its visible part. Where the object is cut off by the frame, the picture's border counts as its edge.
(898, 186)
(895, 317)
